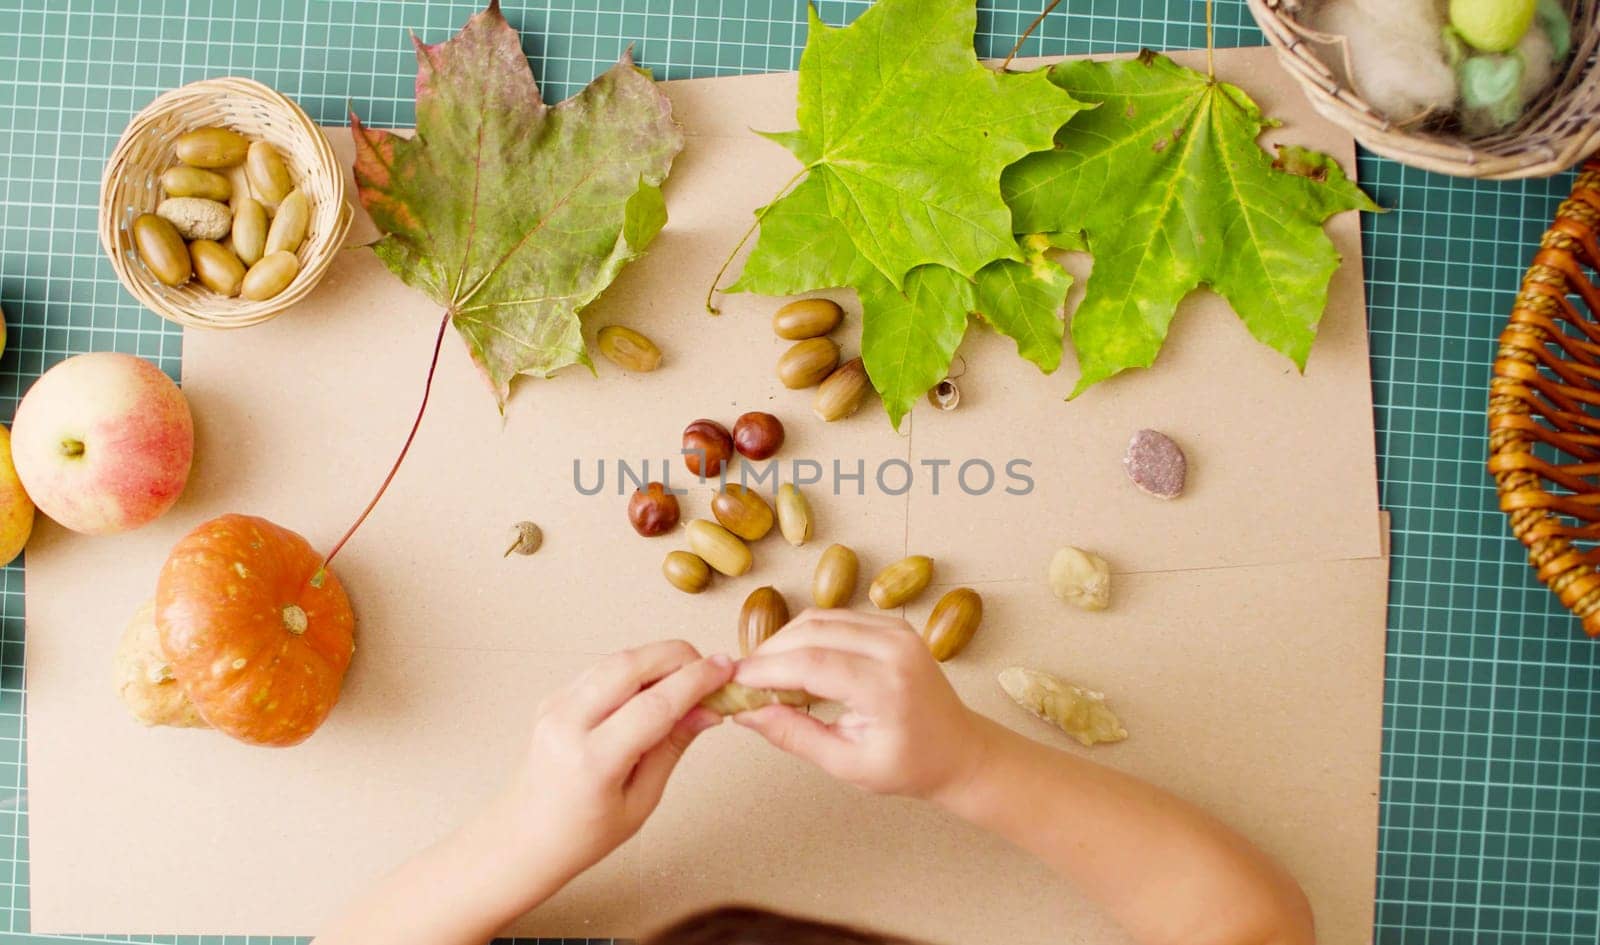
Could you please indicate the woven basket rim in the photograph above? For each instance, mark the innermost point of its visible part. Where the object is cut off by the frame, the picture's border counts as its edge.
(1559, 130)
(1540, 394)
(200, 309)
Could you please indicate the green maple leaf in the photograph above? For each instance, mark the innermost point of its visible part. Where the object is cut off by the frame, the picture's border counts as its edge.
(907, 133)
(512, 214)
(909, 334)
(1166, 179)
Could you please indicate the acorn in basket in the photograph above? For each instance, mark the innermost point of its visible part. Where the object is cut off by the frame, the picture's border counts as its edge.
(184, 237)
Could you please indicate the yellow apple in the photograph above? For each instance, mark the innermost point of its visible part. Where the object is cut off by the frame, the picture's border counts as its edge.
(16, 509)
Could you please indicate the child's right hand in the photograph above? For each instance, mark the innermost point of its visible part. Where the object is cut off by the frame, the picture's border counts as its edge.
(904, 730)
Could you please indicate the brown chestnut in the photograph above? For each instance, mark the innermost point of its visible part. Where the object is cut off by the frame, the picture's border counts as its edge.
(653, 510)
(706, 447)
(757, 435)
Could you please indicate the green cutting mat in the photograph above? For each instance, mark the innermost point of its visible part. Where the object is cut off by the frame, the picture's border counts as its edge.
(1491, 791)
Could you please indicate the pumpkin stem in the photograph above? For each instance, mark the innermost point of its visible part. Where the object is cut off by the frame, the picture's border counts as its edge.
(294, 619)
(427, 388)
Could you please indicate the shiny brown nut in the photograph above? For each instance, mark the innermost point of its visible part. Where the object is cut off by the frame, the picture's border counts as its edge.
(290, 225)
(217, 268)
(249, 230)
(686, 571)
(794, 515)
(901, 582)
(184, 181)
(211, 147)
(270, 275)
(763, 614)
(268, 175)
(653, 510)
(161, 248)
(742, 511)
(719, 548)
(806, 318)
(757, 435)
(953, 622)
(628, 349)
(736, 697)
(835, 580)
(807, 362)
(840, 395)
(707, 447)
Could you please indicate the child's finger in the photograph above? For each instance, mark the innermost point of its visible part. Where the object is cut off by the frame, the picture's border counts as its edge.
(651, 774)
(648, 718)
(609, 684)
(850, 678)
(801, 735)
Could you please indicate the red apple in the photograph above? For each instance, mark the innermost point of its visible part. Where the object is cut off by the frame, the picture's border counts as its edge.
(103, 442)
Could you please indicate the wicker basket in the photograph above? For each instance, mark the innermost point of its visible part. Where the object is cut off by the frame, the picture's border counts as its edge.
(1544, 406)
(131, 186)
(1560, 129)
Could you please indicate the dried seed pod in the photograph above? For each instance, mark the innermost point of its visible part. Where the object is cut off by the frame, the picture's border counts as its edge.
(1081, 578)
(735, 698)
(217, 268)
(1079, 712)
(840, 395)
(953, 623)
(526, 538)
(901, 582)
(1156, 464)
(945, 395)
(197, 218)
(720, 548)
(628, 349)
(653, 510)
(707, 446)
(161, 248)
(183, 181)
(686, 571)
(742, 511)
(211, 147)
(806, 318)
(249, 230)
(794, 515)
(807, 362)
(268, 175)
(835, 580)
(757, 435)
(764, 613)
(290, 225)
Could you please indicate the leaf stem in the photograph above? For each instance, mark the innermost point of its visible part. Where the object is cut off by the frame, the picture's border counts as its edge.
(1028, 32)
(427, 388)
(1211, 43)
(746, 238)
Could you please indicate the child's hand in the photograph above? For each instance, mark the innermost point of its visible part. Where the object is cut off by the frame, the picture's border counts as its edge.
(904, 731)
(604, 746)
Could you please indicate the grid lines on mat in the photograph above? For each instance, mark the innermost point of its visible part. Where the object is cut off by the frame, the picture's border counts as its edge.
(1491, 791)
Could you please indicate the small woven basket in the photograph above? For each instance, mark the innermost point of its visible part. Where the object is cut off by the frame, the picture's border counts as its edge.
(1558, 130)
(131, 186)
(1544, 406)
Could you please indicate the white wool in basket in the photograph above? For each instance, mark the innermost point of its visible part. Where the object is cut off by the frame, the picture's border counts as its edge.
(1395, 50)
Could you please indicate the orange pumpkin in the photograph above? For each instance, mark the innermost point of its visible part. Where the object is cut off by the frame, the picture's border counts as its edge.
(258, 633)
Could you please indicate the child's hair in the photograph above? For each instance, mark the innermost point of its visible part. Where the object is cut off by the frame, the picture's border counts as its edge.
(743, 925)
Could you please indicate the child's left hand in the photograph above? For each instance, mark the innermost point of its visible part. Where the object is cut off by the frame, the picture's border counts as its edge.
(602, 750)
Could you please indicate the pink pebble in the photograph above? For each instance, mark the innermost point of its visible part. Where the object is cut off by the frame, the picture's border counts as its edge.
(1155, 464)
